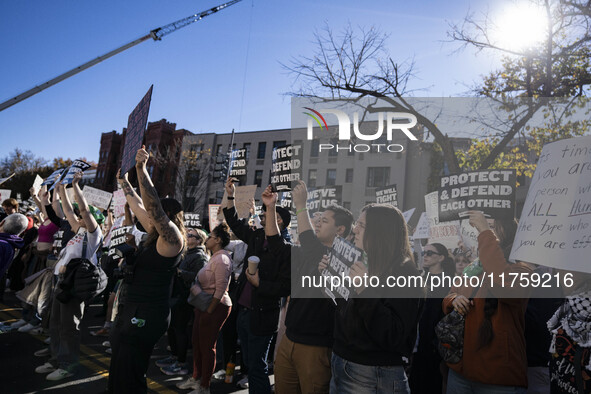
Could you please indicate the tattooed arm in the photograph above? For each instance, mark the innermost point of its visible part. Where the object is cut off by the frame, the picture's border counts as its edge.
(170, 241)
(135, 202)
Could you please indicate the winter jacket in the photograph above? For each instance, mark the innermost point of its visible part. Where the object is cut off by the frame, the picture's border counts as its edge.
(8, 243)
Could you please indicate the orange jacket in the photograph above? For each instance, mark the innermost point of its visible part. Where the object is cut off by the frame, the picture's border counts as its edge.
(503, 361)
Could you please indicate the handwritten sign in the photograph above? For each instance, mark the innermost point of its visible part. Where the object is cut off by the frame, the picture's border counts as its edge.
(213, 216)
(555, 225)
(286, 167)
(76, 167)
(37, 183)
(238, 162)
(96, 197)
(242, 197)
(447, 234)
(192, 220)
(342, 256)
(387, 195)
(4, 194)
(136, 127)
(489, 191)
(118, 203)
(422, 230)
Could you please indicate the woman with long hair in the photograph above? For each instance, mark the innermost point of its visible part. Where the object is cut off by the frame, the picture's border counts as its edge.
(145, 314)
(494, 357)
(374, 334)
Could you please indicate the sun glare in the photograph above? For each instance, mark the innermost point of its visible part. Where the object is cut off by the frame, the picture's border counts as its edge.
(520, 26)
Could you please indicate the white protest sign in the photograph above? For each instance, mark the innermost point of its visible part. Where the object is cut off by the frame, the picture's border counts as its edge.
(422, 230)
(448, 233)
(4, 194)
(408, 214)
(96, 197)
(555, 225)
(469, 236)
(242, 197)
(37, 183)
(118, 203)
(213, 214)
(2, 180)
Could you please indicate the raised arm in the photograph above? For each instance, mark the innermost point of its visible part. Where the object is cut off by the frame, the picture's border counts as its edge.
(128, 218)
(135, 202)
(270, 200)
(89, 220)
(300, 198)
(67, 207)
(230, 190)
(57, 207)
(170, 241)
(38, 202)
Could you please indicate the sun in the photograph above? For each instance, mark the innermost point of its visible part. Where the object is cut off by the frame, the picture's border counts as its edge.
(520, 26)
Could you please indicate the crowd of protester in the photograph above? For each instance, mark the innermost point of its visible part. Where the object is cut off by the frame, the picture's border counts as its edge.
(231, 287)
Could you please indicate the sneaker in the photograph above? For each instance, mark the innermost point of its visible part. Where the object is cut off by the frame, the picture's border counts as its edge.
(103, 332)
(26, 328)
(107, 344)
(18, 324)
(201, 390)
(188, 384)
(42, 352)
(59, 374)
(175, 369)
(45, 368)
(243, 383)
(47, 340)
(219, 375)
(165, 362)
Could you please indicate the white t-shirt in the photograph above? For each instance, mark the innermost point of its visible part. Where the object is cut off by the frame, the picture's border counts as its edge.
(73, 249)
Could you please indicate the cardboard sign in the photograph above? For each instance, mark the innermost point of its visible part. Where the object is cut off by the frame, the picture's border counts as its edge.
(342, 256)
(4, 194)
(76, 167)
(287, 166)
(118, 203)
(96, 197)
(422, 230)
(447, 234)
(489, 191)
(238, 163)
(192, 220)
(555, 225)
(242, 197)
(213, 215)
(387, 195)
(136, 127)
(2, 180)
(37, 183)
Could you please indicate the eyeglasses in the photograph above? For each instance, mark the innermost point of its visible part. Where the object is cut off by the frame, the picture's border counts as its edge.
(430, 253)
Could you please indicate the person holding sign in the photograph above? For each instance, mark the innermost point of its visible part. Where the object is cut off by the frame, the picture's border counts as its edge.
(258, 294)
(373, 335)
(494, 354)
(144, 317)
(65, 317)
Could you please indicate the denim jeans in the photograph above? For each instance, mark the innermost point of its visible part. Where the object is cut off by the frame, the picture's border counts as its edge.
(254, 351)
(458, 384)
(351, 378)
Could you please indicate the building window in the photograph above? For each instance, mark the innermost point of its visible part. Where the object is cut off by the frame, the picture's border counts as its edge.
(378, 176)
(247, 147)
(195, 150)
(334, 142)
(262, 149)
(312, 174)
(331, 177)
(314, 149)
(219, 150)
(349, 175)
(258, 177)
(278, 144)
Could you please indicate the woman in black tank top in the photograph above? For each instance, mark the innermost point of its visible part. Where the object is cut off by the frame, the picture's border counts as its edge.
(144, 317)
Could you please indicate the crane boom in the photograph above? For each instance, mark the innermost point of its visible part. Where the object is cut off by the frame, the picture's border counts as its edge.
(155, 34)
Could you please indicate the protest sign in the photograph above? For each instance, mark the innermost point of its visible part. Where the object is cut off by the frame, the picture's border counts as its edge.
(118, 203)
(555, 225)
(408, 214)
(489, 191)
(447, 234)
(77, 166)
(286, 167)
(469, 237)
(96, 197)
(242, 201)
(54, 178)
(2, 180)
(213, 216)
(192, 220)
(4, 194)
(422, 230)
(342, 256)
(323, 197)
(134, 137)
(238, 163)
(37, 183)
(387, 195)
(117, 237)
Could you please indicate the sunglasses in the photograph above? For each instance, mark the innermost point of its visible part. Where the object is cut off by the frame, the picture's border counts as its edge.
(430, 253)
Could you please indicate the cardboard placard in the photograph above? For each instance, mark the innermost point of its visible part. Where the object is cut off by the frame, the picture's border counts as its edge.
(489, 191)
(238, 163)
(96, 197)
(37, 183)
(4, 194)
(342, 256)
(136, 127)
(118, 203)
(447, 234)
(242, 197)
(192, 220)
(555, 225)
(408, 214)
(286, 167)
(213, 215)
(422, 230)
(387, 195)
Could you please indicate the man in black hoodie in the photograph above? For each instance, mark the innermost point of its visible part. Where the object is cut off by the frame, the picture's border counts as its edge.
(303, 357)
(257, 296)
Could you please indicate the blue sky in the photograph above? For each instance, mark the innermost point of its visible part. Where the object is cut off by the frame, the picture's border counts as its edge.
(199, 71)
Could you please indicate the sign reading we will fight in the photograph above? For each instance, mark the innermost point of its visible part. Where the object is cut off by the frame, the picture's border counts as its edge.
(287, 166)
(489, 191)
(555, 225)
(134, 137)
(387, 195)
